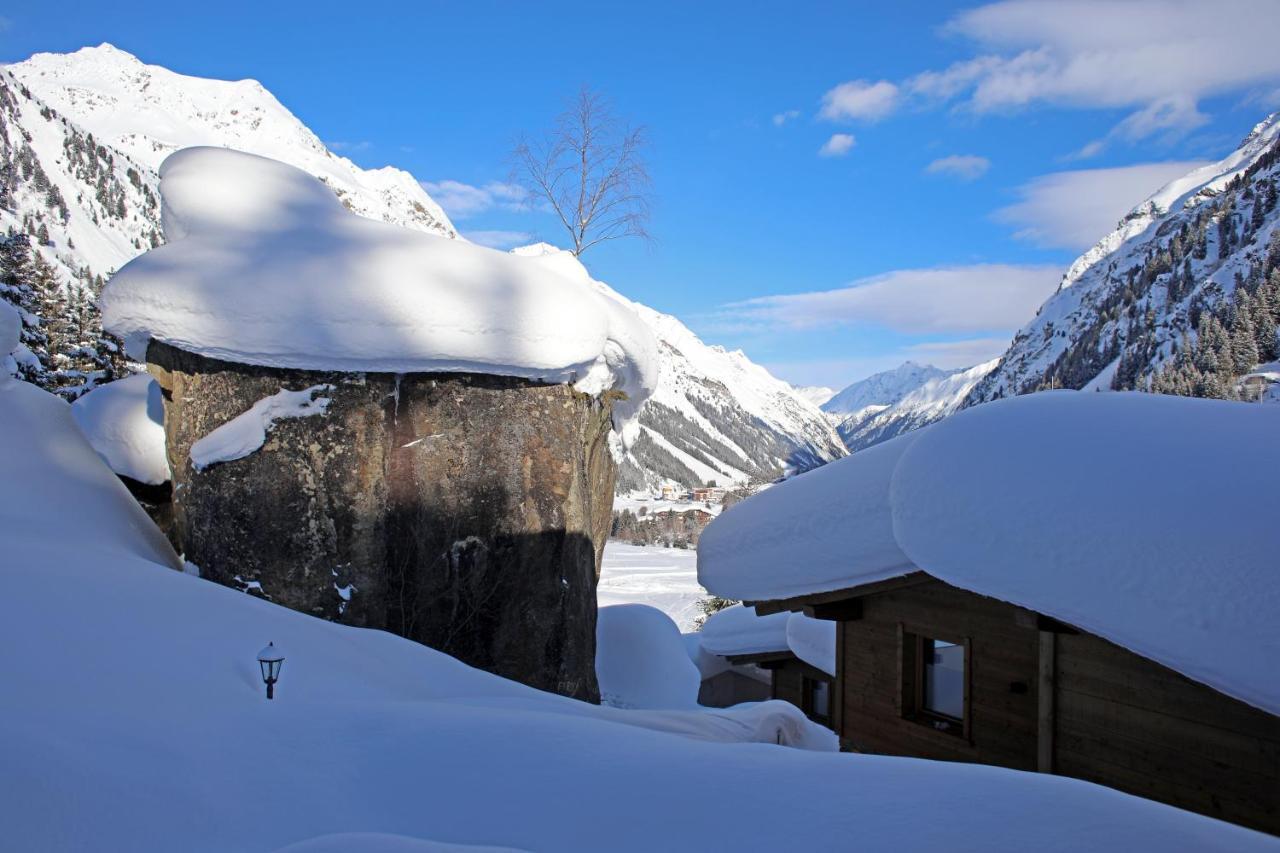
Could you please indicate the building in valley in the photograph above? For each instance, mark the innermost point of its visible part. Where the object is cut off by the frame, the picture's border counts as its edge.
(1075, 583)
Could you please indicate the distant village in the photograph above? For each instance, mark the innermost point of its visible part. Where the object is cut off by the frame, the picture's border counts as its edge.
(674, 516)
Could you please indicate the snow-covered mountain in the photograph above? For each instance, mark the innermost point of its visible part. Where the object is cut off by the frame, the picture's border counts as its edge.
(880, 390)
(81, 139)
(934, 399)
(147, 112)
(816, 394)
(718, 416)
(1182, 297)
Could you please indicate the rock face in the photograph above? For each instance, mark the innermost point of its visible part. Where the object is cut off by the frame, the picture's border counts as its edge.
(464, 511)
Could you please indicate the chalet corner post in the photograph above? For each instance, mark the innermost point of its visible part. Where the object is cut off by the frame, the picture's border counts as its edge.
(1046, 691)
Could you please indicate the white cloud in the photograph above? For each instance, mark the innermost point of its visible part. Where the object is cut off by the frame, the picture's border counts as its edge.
(1157, 57)
(859, 99)
(962, 353)
(950, 300)
(349, 147)
(782, 118)
(499, 239)
(966, 167)
(461, 200)
(1075, 209)
(838, 145)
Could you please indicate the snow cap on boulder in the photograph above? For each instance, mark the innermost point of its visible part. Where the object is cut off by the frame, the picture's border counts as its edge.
(264, 266)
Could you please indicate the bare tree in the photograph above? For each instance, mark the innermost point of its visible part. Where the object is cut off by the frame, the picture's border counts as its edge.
(590, 170)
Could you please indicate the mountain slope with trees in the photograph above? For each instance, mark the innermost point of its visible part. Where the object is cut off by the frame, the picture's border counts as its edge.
(1182, 298)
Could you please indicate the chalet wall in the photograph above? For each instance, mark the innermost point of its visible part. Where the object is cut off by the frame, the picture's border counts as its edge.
(1118, 719)
(1002, 677)
(730, 688)
(1132, 724)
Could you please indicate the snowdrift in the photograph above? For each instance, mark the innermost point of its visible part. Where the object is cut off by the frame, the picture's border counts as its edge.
(134, 719)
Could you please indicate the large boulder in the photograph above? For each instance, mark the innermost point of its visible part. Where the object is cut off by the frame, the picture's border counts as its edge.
(464, 511)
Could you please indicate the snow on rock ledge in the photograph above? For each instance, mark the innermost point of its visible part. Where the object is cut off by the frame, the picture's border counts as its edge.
(264, 266)
(124, 422)
(247, 432)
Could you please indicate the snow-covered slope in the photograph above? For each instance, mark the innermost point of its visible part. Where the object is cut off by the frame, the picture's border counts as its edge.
(83, 134)
(935, 399)
(718, 416)
(135, 720)
(816, 394)
(1125, 307)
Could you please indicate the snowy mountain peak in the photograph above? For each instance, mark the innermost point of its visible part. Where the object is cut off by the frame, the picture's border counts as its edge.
(148, 112)
(882, 389)
(940, 394)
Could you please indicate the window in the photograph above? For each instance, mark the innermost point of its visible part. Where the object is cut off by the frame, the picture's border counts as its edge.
(935, 682)
(817, 700)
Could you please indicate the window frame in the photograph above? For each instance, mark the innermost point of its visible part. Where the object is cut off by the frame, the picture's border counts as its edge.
(911, 664)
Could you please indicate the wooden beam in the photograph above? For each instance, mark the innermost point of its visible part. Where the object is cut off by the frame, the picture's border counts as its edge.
(1046, 686)
(764, 660)
(849, 610)
(800, 602)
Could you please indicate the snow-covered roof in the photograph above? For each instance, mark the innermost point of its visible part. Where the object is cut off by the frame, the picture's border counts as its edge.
(124, 422)
(641, 659)
(264, 266)
(1147, 520)
(813, 641)
(737, 630)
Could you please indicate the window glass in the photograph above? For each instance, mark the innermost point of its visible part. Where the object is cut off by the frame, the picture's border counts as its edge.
(820, 700)
(944, 678)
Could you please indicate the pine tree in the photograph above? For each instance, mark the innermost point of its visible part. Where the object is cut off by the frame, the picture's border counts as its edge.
(1244, 343)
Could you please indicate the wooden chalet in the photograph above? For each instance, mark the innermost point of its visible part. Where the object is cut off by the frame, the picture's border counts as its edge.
(755, 662)
(1054, 583)
(927, 669)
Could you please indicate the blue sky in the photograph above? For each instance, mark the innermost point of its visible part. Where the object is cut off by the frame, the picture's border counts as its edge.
(838, 186)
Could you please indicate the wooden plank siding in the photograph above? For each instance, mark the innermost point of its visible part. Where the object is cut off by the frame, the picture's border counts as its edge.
(1113, 717)
(1132, 724)
(1001, 726)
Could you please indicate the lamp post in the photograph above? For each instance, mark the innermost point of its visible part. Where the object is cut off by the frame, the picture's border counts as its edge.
(270, 660)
